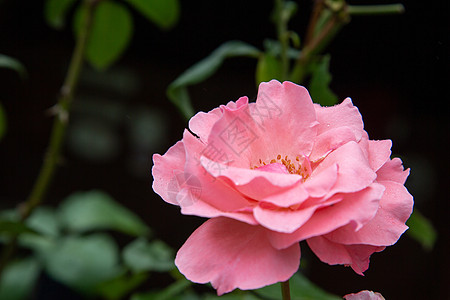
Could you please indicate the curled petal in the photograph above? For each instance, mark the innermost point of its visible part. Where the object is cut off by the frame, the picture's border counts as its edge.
(165, 172)
(388, 224)
(344, 114)
(356, 209)
(354, 172)
(241, 258)
(356, 256)
(202, 123)
(364, 295)
(392, 170)
(330, 140)
(379, 153)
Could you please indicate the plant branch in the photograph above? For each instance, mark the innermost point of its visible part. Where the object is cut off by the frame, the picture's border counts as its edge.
(355, 10)
(61, 110)
(338, 19)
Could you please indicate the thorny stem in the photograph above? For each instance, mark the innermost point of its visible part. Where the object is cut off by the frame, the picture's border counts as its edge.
(61, 109)
(285, 291)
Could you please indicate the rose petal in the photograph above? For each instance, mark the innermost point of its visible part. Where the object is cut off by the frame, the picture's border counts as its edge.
(232, 254)
(344, 114)
(330, 140)
(364, 295)
(357, 256)
(392, 170)
(356, 209)
(388, 224)
(202, 123)
(256, 184)
(320, 182)
(214, 192)
(285, 125)
(288, 220)
(164, 172)
(379, 153)
(354, 172)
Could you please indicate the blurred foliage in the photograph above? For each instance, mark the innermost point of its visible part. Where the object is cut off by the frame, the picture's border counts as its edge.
(177, 90)
(95, 210)
(320, 81)
(75, 243)
(112, 27)
(19, 278)
(13, 64)
(111, 32)
(421, 229)
(301, 289)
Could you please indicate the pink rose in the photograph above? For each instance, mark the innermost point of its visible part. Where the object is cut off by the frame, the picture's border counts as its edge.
(272, 173)
(364, 295)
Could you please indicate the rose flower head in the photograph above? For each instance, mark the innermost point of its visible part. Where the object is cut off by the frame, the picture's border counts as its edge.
(276, 172)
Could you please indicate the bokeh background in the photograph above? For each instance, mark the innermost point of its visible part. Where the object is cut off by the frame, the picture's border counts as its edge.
(395, 68)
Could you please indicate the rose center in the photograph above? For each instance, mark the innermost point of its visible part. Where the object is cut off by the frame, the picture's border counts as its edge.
(300, 165)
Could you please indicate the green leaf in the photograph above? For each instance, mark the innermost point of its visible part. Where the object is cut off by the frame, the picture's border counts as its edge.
(321, 78)
(234, 296)
(119, 287)
(168, 293)
(83, 263)
(301, 289)
(55, 12)
(13, 64)
(177, 90)
(44, 220)
(141, 255)
(18, 279)
(3, 121)
(268, 68)
(14, 227)
(96, 210)
(164, 13)
(111, 33)
(421, 229)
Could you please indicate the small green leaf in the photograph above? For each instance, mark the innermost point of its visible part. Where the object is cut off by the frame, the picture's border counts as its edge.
(268, 68)
(44, 220)
(119, 287)
(164, 13)
(168, 293)
(18, 279)
(83, 262)
(13, 64)
(301, 289)
(14, 227)
(177, 90)
(141, 255)
(111, 33)
(321, 78)
(3, 121)
(421, 229)
(96, 210)
(55, 12)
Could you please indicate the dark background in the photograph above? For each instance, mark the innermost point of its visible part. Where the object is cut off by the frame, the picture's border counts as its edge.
(395, 68)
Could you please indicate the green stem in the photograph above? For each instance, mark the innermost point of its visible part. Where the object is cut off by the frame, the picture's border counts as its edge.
(317, 43)
(61, 109)
(355, 10)
(282, 18)
(285, 290)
